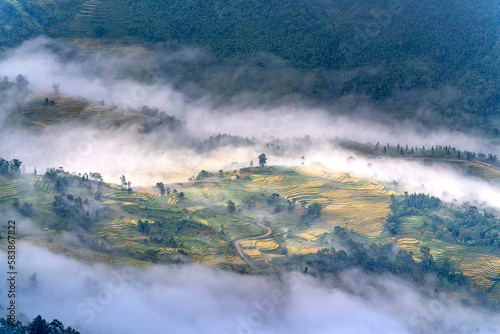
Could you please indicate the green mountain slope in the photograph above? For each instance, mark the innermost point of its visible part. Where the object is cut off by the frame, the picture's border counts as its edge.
(271, 226)
(283, 217)
(442, 56)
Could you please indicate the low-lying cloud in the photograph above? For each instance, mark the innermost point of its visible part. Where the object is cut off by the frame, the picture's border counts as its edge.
(161, 155)
(96, 298)
(134, 78)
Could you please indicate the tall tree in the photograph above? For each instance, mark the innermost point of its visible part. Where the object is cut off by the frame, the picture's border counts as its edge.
(123, 180)
(262, 160)
(22, 81)
(38, 326)
(231, 207)
(161, 187)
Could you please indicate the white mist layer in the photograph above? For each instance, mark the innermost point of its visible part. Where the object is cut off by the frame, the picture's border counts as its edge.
(197, 299)
(437, 179)
(149, 158)
(108, 77)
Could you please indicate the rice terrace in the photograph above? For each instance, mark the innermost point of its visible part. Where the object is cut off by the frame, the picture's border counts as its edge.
(259, 166)
(265, 228)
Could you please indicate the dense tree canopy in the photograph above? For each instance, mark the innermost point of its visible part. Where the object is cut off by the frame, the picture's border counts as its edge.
(37, 326)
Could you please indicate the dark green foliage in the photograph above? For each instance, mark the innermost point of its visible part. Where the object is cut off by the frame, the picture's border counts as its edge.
(143, 227)
(203, 175)
(314, 210)
(22, 81)
(249, 202)
(220, 140)
(377, 258)
(406, 205)
(463, 225)
(278, 208)
(313, 213)
(157, 231)
(26, 210)
(20, 27)
(392, 223)
(161, 187)
(37, 326)
(273, 199)
(468, 226)
(262, 160)
(436, 152)
(12, 167)
(421, 202)
(57, 177)
(231, 207)
(73, 212)
(445, 51)
(414, 45)
(99, 31)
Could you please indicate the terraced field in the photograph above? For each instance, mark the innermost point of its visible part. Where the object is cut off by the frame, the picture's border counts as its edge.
(477, 263)
(487, 171)
(20, 8)
(25, 190)
(210, 231)
(110, 16)
(484, 269)
(360, 204)
(267, 244)
(39, 113)
(356, 203)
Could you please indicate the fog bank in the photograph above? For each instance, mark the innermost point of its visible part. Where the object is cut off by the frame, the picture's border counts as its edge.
(197, 299)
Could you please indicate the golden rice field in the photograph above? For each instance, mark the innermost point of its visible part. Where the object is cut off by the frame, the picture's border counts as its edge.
(267, 244)
(488, 172)
(356, 203)
(348, 201)
(301, 246)
(483, 269)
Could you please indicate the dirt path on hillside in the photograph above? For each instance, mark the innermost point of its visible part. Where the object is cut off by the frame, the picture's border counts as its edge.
(240, 251)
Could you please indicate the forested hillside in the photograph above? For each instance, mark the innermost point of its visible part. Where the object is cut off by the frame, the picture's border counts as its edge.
(386, 47)
(403, 55)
